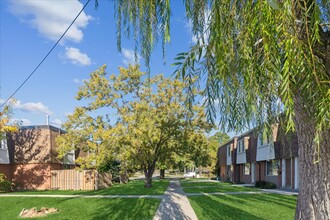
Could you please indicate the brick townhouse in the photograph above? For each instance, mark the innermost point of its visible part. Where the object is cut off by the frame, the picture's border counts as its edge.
(258, 156)
(28, 156)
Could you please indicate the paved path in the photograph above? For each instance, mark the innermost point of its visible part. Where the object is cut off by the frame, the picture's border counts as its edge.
(175, 204)
(83, 196)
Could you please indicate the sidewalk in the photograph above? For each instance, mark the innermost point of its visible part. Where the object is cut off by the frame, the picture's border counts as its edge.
(83, 196)
(175, 204)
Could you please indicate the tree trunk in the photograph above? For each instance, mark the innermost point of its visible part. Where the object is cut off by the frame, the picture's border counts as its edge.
(314, 172)
(123, 178)
(162, 174)
(148, 172)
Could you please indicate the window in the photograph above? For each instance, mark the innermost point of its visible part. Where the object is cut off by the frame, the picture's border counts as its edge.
(3, 142)
(272, 167)
(246, 169)
(228, 150)
(264, 138)
(268, 139)
(69, 158)
(241, 146)
(261, 141)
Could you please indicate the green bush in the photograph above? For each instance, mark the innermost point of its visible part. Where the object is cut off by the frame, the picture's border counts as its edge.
(5, 185)
(265, 185)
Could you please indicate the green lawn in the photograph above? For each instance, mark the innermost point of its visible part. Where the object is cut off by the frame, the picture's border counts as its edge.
(208, 187)
(82, 208)
(134, 187)
(254, 207)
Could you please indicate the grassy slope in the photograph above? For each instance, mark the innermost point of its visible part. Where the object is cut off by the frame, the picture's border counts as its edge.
(254, 207)
(207, 187)
(134, 187)
(82, 208)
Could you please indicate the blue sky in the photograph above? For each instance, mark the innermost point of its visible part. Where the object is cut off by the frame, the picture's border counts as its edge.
(29, 28)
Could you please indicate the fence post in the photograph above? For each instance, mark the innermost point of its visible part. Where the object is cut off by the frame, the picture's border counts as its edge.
(96, 180)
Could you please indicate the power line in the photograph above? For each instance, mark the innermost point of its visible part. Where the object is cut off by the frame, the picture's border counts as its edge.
(45, 57)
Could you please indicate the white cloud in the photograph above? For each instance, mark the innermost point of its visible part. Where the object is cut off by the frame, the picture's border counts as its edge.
(76, 57)
(51, 18)
(31, 107)
(57, 122)
(79, 81)
(194, 38)
(129, 56)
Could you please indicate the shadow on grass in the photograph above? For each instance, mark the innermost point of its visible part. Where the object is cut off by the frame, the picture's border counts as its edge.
(78, 208)
(126, 209)
(280, 200)
(210, 207)
(134, 187)
(244, 206)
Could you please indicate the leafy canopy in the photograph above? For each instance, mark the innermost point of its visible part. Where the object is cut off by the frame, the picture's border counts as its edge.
(256, 57)
(133, 119)
(5, 125)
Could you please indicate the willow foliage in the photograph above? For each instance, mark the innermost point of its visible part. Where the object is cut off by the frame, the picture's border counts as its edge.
(253, 58)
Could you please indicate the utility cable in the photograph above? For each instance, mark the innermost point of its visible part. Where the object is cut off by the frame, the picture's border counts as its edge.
(45, 57)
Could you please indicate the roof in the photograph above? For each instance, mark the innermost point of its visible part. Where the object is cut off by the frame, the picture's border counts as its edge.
(50, 127)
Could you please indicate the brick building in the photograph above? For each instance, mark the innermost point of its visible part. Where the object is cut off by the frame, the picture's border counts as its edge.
(260, 156)
(28, 156)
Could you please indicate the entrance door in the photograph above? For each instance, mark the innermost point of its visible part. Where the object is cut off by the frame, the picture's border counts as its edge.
(288, 176)
(253, 172)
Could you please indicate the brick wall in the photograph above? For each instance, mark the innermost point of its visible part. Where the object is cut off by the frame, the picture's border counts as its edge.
(6, 169)
(222, 155)
(31, 176)
(287, 144)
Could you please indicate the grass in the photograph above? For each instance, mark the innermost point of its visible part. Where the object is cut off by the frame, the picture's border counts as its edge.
(247, 207)
(82, 208)
(134, 187)
(208, 187)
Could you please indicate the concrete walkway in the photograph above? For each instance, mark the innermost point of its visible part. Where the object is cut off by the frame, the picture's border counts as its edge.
(175, 204)
(83, 196)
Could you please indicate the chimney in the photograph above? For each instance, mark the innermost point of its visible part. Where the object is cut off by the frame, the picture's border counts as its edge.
(47, 119)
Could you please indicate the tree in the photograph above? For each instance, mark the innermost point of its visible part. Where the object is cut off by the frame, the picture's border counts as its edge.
(258, 58)
(5, 125)
(215, 141)
(152, 122)
(219, 138)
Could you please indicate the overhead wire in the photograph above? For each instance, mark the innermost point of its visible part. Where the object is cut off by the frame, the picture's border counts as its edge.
(45, 57)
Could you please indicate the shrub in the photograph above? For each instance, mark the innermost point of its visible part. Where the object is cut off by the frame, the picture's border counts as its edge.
(265, 185)
(5, 185)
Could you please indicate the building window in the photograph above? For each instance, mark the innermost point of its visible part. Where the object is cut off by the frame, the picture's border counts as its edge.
(228, 150)
(3, 143)
(272, 167)
(264, 138)
(246, 169)
(240, 146)
(69, 158)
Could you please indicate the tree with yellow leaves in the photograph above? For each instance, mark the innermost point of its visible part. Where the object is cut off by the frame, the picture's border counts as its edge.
(134, 119)
(5, 125)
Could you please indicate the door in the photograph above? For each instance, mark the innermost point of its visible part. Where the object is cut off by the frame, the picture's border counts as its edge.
(288, 173)
(253, 172)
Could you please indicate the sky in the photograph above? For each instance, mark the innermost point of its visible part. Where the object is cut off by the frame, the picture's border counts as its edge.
(30, 28)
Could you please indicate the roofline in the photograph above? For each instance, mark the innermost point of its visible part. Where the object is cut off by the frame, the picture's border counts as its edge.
(245, 133)
(230, 140)
(50, 127)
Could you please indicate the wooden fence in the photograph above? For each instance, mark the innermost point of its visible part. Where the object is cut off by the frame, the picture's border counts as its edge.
(73, 179)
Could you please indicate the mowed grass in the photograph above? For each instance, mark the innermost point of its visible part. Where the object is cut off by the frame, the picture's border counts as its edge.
(82, 208)
(133, 187)
(209, 187)
(247, 207)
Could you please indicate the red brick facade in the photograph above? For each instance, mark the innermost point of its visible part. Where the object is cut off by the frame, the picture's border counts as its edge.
(285, 153)
(32, 154)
